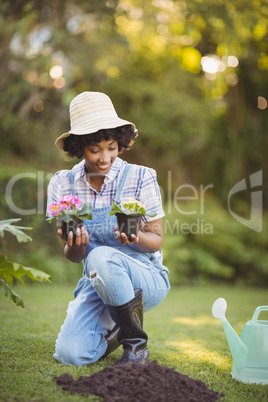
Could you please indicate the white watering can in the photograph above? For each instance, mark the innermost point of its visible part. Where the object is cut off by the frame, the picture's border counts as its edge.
(250, 350)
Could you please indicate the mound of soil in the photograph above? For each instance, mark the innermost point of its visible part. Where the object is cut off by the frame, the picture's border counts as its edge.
(140, 384)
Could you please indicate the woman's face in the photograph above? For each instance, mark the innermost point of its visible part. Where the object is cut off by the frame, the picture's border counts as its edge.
(100, 156)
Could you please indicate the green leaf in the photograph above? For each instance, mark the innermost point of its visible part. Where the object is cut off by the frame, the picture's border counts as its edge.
(85, 212)
(15, 230)
(118, 209)
(9, 269)
(86, 209)
(86, 216)
(66, 218)
(9, 292)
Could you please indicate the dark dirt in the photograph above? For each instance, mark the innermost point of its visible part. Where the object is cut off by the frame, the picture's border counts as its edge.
(138, 383)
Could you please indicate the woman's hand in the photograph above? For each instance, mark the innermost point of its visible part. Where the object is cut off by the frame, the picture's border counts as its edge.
(124, 239)
(82, 237)
(75, 252)
(149, 238)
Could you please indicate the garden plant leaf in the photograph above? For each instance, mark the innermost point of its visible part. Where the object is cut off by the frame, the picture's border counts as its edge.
(9, 269)
(130, 208)
(15, 230)
(13, 296)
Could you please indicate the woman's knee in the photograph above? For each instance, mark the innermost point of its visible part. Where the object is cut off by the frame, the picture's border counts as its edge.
(107, 273)
(78, 352)
(100, 261)
(98, 258)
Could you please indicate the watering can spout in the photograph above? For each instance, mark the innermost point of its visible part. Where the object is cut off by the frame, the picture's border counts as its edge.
(238, 349)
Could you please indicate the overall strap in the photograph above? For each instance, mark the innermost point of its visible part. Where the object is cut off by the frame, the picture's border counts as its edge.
(71, 181)
(121, 184)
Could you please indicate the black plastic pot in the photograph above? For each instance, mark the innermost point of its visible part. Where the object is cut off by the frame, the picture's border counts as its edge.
(129, 224)
(71, 226)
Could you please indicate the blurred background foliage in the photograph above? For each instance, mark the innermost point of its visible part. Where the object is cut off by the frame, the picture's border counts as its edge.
(191, 74)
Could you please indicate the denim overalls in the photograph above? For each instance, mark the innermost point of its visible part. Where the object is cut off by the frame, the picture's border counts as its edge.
(111, 273)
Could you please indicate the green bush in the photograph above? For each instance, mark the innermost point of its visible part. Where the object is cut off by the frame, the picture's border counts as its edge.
(198, 247)
(213, 246)
(61, 270)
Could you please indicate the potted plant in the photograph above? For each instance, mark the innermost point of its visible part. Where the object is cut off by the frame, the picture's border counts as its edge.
(70, 212)
(129, 214)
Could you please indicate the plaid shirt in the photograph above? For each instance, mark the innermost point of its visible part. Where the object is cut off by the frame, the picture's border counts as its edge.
(141, 184)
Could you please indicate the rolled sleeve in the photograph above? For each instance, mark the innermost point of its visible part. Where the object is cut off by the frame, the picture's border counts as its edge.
(54, 191)
(150, 195)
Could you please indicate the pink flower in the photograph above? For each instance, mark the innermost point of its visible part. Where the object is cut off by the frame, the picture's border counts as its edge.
(66, 198)
(64, 205)
(53, 209)
(69, 202)
(64, 202)
(76, 202)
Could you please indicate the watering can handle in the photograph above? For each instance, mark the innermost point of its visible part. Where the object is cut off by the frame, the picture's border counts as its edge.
(257, 312)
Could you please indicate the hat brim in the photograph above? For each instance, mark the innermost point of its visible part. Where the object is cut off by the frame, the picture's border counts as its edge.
(109, 123)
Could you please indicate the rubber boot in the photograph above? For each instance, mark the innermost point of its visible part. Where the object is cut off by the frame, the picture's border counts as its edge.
(129, 317)
(112, 338)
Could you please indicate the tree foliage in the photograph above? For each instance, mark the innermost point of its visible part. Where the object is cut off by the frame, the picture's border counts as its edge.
(147, 56)
(191, 74)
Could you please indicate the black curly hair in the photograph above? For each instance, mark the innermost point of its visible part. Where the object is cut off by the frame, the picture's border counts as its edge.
(124, 135)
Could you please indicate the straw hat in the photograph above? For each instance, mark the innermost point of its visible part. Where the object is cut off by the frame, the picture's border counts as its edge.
(91, 112)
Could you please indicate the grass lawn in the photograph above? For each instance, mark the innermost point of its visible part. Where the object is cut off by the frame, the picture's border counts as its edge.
(182, 335)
